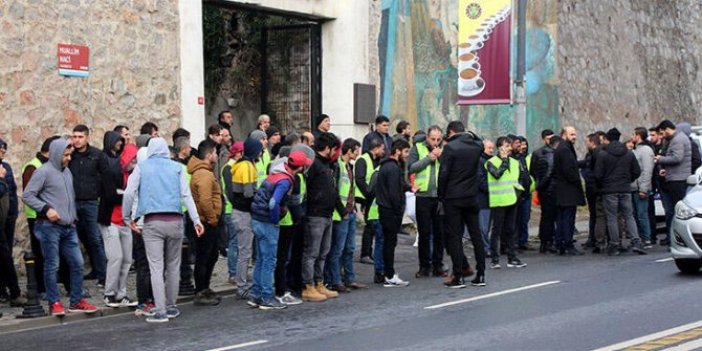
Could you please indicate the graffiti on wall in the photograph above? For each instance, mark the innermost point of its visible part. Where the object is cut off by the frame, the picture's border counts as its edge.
(417, 48)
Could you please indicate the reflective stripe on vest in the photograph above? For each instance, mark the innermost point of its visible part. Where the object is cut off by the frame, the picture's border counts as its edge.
(373, 213)
(502, 191)
(227, 204)
(287, 221)
(344, 187)
(421, 179)
(188, 177)
(30, 212)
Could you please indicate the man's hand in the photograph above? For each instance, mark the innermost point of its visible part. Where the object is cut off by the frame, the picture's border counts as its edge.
(662, 173)
(432, 156)
(51, 214)
(437, 152)
(134, 228)
(415, 188)
(657, 158)
(3, 172)
(642, 195)
(199, 230)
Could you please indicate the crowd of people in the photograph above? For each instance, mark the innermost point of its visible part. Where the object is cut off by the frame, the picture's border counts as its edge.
(289, 205)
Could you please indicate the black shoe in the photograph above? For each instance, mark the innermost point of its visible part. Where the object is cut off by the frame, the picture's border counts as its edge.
(90, 276)
(597, 250)
(379, 278)
(526, 247)
(613, 251)
(573, 252)
(203, 299)
(515, 263)
(638, 250)
(455, 283)
(665, 242)
(101, 283)
(423, 273)
(479, 280)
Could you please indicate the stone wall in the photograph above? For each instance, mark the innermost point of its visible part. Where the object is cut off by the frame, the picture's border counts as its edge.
(134, 67)
(627, 63)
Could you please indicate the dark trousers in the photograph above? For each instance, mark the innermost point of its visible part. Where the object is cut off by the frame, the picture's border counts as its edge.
(565, 227)
(297, 247)
(592, 219)
(222, 235)
(186, 257)
(671, 193)
(459, 214)
(392, 223)
(652, 218)
(143, 273)
(367, 238)
(522, 223)
(547, 223)
(8, 275)
(206, 255)
(285, 239)
(503, 223)
(431, 236)
(89, 235)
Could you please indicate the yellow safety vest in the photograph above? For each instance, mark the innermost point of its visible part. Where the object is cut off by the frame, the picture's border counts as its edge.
(532, 187)
(188, 177)
(287, 221)
(262, 167)
(502, 192)
(227, 204)
(421, 179)
(30, 212)
(373, 213)
(344, 187)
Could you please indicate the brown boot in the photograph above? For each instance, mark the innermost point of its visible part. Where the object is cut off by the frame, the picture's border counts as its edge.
(309, 293)
(326, 292)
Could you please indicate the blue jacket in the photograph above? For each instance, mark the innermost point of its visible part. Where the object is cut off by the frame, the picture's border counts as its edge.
(269, 201)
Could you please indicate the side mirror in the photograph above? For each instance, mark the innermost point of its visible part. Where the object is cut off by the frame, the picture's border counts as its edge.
(693, 180)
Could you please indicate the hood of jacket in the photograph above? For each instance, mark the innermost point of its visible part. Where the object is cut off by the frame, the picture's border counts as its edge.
(616, 148)
(109, 141)
(56, 152)
(466, 138)
(128, 154)
(158, 148)
(196, 164)
(419, 138)
(252, 148)
(279, 166)
(685, 128)
(141, 155)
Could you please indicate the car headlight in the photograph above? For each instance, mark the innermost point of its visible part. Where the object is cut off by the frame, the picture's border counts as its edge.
(683, 211)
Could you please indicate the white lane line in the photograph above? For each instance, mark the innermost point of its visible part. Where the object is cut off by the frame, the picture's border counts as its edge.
(240, 346)
(665, 259)
(487, 296)
(650, 337)
(688, 346)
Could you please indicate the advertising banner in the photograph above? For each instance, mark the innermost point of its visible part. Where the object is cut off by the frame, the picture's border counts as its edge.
(484, 52)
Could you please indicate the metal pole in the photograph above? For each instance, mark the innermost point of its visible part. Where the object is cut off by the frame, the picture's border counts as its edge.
(520, 83)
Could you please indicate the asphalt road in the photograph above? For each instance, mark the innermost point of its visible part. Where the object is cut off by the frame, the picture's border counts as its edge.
(555, 303)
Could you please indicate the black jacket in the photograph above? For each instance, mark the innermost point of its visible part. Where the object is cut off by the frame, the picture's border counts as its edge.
(483, 190)
(110, 180)
(86, 168)
(322, 193)
(543, 171)
(616, 168)
(567, 186)
(391, 187)
(460, 161)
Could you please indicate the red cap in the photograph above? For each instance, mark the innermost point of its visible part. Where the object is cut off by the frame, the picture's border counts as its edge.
(236, 148)
(298, 159)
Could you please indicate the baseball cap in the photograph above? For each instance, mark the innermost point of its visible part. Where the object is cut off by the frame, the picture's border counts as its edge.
(298, 159)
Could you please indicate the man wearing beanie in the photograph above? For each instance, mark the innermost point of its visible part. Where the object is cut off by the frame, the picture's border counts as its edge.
(273, 136)
(322, 124)
(616, 167)
(240, 194)
(263, 160)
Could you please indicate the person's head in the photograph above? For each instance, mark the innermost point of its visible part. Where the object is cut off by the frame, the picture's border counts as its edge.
(273, 135)
(180, 132)
(350, 148)
(236, 151)
(149, 128)
(3, 149)
(60, 149)
(629, 143)
(489, 147)
(434, 136)
(613, 135)
(207, 151)
(653, 136)
(125, 133)
(182, 147)
(640, 134)
(44, 150)
(322, 123)
(602, 136)
(454, 127)
(568, 134)
(80, 137)
(297, 161)
(592, 141)
(292, 139)
(307, 138)
(325, 144)
(504, 144)
(546, 135)
(264, 121)
(226, 137)
(252, 148)
(404, 128)
(225, 118)
(400, 150)
(260, 136)
(525, 145)
(214, 133)
(66, 155)
(382, 124)
(555, 141)
(376, 148)
(666, 128)
(516, 143)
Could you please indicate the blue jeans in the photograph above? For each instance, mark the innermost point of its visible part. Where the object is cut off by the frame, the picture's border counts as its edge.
(523, 216)
(641, 214)
(484, 223)
(267, 245)
(89, 234)
(341, 253)
(57, 239)
(378, 246)
(232, 245)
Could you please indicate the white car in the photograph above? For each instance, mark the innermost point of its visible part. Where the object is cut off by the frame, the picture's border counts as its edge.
(686, 240)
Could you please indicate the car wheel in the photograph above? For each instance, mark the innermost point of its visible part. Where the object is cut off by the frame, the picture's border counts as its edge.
(688, 266)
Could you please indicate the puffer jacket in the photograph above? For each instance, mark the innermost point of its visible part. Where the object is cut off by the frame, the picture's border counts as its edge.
(206, 190)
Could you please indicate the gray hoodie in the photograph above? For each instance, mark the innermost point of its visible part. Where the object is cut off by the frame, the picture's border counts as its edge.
(51, 187)
(678, 158)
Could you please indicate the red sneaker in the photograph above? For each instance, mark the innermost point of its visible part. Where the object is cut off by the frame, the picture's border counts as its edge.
(56, 309)
(82, 306)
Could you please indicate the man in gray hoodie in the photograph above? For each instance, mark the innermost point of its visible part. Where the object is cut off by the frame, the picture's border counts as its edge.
(642, 188)
(676, 166)
(50, 193)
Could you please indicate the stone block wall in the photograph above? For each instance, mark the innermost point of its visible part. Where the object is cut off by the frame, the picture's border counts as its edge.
(134, 71)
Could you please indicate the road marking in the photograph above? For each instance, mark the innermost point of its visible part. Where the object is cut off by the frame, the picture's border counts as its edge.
(640, 341)
(487, 296)
(665, 259)
(240, 346)
(692, 345)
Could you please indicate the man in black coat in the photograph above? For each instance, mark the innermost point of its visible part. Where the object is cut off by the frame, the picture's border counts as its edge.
(569, 191)
(382, 125)
(544, 185)
(616, 167)
(458, 190)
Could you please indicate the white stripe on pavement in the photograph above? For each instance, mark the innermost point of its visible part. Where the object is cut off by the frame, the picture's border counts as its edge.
(487, 296)
(665, 259)
(240, 346)
(650, 337)
(688, 346)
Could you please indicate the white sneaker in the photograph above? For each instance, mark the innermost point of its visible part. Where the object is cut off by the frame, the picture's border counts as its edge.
(395, 282)
(288, 299)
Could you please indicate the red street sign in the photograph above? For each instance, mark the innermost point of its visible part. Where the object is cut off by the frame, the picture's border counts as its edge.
(200, 100)
(73, 60)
